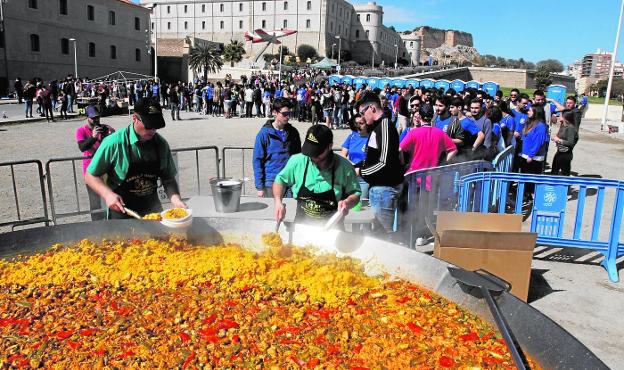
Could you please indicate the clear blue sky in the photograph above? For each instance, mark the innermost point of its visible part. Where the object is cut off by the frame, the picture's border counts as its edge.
(532, 29)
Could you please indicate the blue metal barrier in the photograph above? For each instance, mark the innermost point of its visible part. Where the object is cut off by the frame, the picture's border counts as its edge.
(435, 189)
(503, 162)
(494, 192)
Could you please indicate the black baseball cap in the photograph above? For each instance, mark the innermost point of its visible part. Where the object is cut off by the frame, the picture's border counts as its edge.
(150, 113)
(317, 139)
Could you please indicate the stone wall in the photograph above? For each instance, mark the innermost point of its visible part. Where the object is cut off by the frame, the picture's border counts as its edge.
(434, 37)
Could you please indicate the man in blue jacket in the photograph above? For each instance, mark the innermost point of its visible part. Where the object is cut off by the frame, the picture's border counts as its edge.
(275, 143)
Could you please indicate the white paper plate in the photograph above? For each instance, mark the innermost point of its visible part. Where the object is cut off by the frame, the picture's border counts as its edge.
(189, 215)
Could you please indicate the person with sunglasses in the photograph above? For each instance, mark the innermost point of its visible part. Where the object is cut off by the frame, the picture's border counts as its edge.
(275, 143)
(383, 168)
(354, 148)
(134, 158)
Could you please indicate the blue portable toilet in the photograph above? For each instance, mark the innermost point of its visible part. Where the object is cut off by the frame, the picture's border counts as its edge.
(490, 87)
(473, 84)
(373, 82)
(399, 82)
(347, 80)
(557, 92)
(444, 84)
(335, 80)
(383, 82)
(427, 83)
(359, 81)
(458, 85)
(414, 83)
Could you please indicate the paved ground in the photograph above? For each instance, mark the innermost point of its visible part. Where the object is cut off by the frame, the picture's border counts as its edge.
(567, 285)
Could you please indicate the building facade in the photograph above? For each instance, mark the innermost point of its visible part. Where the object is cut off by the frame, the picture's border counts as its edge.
(326, 25)
(110, 35)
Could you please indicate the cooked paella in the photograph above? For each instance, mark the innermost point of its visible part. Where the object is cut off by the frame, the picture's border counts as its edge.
(166, 303)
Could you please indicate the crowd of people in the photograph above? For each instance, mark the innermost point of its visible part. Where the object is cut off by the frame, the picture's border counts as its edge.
(393, 131)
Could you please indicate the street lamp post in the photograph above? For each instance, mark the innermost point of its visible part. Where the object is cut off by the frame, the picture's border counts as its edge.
(373, 55)
(612, 70)
(153, 8)
(339, 48)
(75, 58)
(333, 46)
(396, 56)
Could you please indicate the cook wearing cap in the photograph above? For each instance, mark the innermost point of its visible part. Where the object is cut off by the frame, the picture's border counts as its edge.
(134, 158)
(321, 181)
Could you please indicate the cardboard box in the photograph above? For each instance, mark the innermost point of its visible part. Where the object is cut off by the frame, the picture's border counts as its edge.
(487, 241)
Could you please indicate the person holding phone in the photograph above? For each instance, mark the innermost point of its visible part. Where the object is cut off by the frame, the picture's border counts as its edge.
(89, 137)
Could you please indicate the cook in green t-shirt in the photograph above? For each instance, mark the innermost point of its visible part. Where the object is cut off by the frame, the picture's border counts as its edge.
(321, 181)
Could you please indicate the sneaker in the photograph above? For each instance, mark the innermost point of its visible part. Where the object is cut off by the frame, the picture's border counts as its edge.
(420, 242)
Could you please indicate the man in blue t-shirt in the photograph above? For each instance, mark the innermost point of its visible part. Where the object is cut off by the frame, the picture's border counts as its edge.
(442, 118)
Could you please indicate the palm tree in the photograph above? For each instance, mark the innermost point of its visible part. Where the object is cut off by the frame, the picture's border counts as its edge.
(233, 52)
(205, 58)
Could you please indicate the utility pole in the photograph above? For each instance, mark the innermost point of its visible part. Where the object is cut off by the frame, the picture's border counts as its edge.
(75, 57)
(612, 69)
(396, 56)
(4, 42)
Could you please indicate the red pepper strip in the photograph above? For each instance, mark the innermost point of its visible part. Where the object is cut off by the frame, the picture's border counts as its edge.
(99, 352)
(320, 340)
(247, 287)
(124, 311)
(491, 360)
(488, 336)
(61, 335)
(414, 327)
(351, 302)
(210, 319)
(358, 348)
(403, 299)
(359, 311)
(6, 322)
(358, 368)
(470, 337)
(128, 353)
(73, 345)
(15, 357)
(298, 361)
(231, 303)
(333, 349)
(87, 332)
(189, 359)
(446, 361)
(184, 337)
(288, 329)
(227, 324)
(236, 339)
(313, 363)
(211, 339)
(426, 296)
(207, 332)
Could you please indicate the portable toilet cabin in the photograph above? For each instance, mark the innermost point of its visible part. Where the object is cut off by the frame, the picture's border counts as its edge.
(359, 81)
(458, 85)
(427, 83)
(372, 82)
(473, 85)
(347, 80)
(491, 88)
(335, 80)
(444, 84)
(415, 83)
(399, 82)
(383, 82)
(557, 92)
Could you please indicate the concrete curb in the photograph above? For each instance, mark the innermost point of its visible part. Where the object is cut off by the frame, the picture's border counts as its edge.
(36, 119)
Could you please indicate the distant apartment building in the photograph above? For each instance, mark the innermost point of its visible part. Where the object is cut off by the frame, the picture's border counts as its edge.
(595, 67)
(38, 38)
(324, 24)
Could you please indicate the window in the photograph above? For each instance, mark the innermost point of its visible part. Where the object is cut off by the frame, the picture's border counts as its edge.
(168, 25)
(285, 23)
(358, 17)
(137, 55)
(113, 52)
(221, 8)
(203, 25)
(331, 26)
(152, 25)
(90, 13)
(357, 34)
(285, 5)
(111, 18)
(63, 7)
(64, 46)
(32, 4)
(240, 7)
(308, 23)
(263, 8)
(411, 43)
(185, 25)
(367, 17)
(92, 50)
(309, 5)
(263, 23)
(137, 23)
(203, 8)
(367, 34)
(168, 9)
(221, 25)
(240, 24)
(185, 8)
(34, 42)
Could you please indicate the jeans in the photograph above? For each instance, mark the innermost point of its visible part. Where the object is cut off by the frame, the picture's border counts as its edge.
(175, 111)
(70, 103)
(28, 109)
(384, 200)
(364, 187)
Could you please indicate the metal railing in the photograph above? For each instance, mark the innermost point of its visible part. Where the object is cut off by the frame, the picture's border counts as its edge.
(503, 162)
(73, 195)
(435, 189)
(31, 186)
(550, 201)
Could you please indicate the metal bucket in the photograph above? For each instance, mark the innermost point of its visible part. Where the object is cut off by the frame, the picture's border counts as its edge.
(226, 193)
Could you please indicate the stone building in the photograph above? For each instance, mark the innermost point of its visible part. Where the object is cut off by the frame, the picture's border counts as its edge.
(324, 24)
(444, 46)
(37, 40)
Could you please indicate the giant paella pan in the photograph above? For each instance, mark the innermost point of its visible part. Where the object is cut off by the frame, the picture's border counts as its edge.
(129, 294)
